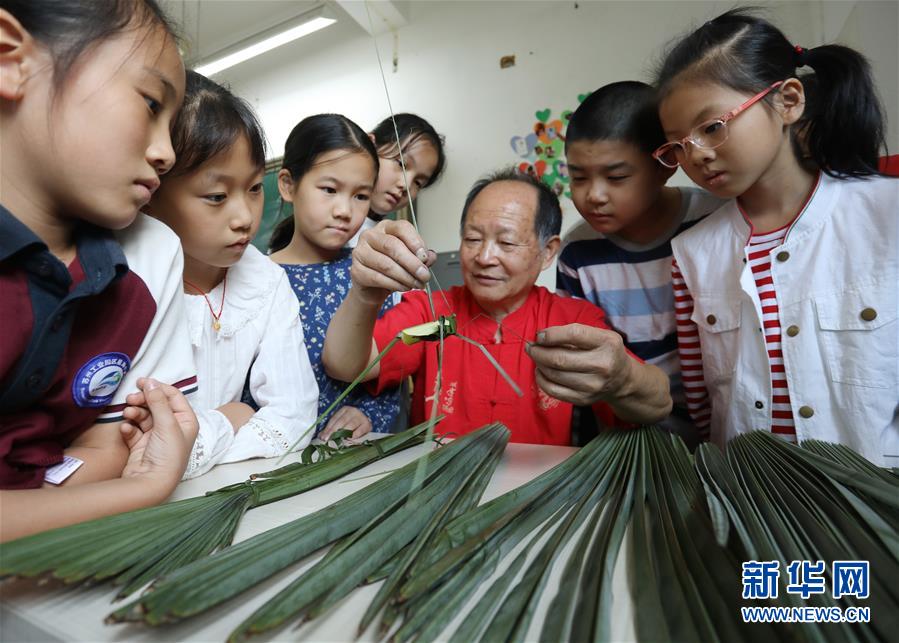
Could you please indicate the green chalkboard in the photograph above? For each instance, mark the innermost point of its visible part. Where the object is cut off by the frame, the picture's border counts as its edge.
(271, 212)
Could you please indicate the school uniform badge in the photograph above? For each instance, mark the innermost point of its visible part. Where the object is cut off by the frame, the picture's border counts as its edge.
(97, 381)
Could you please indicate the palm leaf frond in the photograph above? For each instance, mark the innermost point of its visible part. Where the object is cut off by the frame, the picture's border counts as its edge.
(133, 548)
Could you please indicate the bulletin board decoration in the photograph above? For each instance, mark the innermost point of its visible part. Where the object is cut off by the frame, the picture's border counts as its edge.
(541, 151)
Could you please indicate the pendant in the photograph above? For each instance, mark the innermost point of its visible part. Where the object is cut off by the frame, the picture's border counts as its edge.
(216, 325)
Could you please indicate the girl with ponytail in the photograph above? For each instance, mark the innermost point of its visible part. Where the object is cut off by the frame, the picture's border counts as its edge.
(786, 297)
(420, 149)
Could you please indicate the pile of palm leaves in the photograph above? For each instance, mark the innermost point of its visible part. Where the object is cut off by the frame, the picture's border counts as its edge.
(370, 528)
(134, 548)
(581, 508)
(686, 526)
(539, 561)
(822, 502)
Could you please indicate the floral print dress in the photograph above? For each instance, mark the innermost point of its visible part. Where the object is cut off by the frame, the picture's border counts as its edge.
(320, 288)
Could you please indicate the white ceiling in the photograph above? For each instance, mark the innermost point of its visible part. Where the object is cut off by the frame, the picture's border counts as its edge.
(208, 26)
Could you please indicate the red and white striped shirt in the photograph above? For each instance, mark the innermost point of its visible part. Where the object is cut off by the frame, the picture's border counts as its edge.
(782, 423)
(690, 353)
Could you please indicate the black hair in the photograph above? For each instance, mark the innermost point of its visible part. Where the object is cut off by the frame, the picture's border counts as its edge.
(211, 120)
(844, 132)
(312, 137)
(69, 28)
(812, 105)
(412, 128)
(626, 111)
(547, 218)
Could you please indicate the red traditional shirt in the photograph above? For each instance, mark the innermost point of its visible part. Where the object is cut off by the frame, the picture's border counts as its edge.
(473, 393)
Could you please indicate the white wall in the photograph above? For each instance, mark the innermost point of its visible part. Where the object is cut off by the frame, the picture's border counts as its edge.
(448, 71)
(873, 28)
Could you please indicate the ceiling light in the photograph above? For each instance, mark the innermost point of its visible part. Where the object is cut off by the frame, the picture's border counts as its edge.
(280, 37)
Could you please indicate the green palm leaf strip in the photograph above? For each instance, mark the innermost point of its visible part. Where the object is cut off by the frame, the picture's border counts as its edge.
(133, 548)
(492, 360)
(212, 580)
(443, 325)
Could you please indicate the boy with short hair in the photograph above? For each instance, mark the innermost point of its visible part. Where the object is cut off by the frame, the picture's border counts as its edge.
(619, 257)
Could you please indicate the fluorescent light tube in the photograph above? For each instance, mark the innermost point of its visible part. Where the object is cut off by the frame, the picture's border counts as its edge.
(215, 66)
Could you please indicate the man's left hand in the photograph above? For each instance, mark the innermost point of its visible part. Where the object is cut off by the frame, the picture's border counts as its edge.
(581, 364)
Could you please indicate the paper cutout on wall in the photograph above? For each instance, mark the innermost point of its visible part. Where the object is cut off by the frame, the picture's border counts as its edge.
(541, 152)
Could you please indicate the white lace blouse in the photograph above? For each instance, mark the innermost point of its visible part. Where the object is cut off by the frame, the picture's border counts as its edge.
(261, 334)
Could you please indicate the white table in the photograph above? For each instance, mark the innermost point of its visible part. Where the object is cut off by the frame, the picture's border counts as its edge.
(29, 612)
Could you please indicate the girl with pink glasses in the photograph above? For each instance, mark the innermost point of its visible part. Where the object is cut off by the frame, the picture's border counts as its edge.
(786, 297)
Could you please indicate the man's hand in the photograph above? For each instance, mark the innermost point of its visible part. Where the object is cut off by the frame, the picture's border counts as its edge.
(347, 417)
(581, 364)
(390, 257)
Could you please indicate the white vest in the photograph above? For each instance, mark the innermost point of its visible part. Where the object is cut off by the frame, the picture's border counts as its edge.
(837, 288)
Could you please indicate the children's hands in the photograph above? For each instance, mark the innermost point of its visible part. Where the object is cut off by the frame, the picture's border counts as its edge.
(390, 257)
(138, 414)
(581, 364)
(160, 453)
(350, 418)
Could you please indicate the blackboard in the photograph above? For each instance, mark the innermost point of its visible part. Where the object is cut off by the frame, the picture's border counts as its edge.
(272, 210)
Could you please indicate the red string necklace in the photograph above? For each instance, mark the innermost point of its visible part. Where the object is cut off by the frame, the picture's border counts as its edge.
(216, 324)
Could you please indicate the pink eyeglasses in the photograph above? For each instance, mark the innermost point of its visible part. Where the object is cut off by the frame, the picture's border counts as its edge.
(707, 135)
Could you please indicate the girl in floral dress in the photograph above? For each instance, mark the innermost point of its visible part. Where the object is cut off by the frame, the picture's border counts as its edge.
(329, 172)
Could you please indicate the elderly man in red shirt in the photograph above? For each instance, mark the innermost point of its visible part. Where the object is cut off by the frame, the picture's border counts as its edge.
(559, 351)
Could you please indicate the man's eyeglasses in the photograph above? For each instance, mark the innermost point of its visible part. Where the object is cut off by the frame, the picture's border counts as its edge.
(707, 135)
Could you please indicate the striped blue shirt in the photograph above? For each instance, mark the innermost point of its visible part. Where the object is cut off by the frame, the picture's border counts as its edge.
(632, 283)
